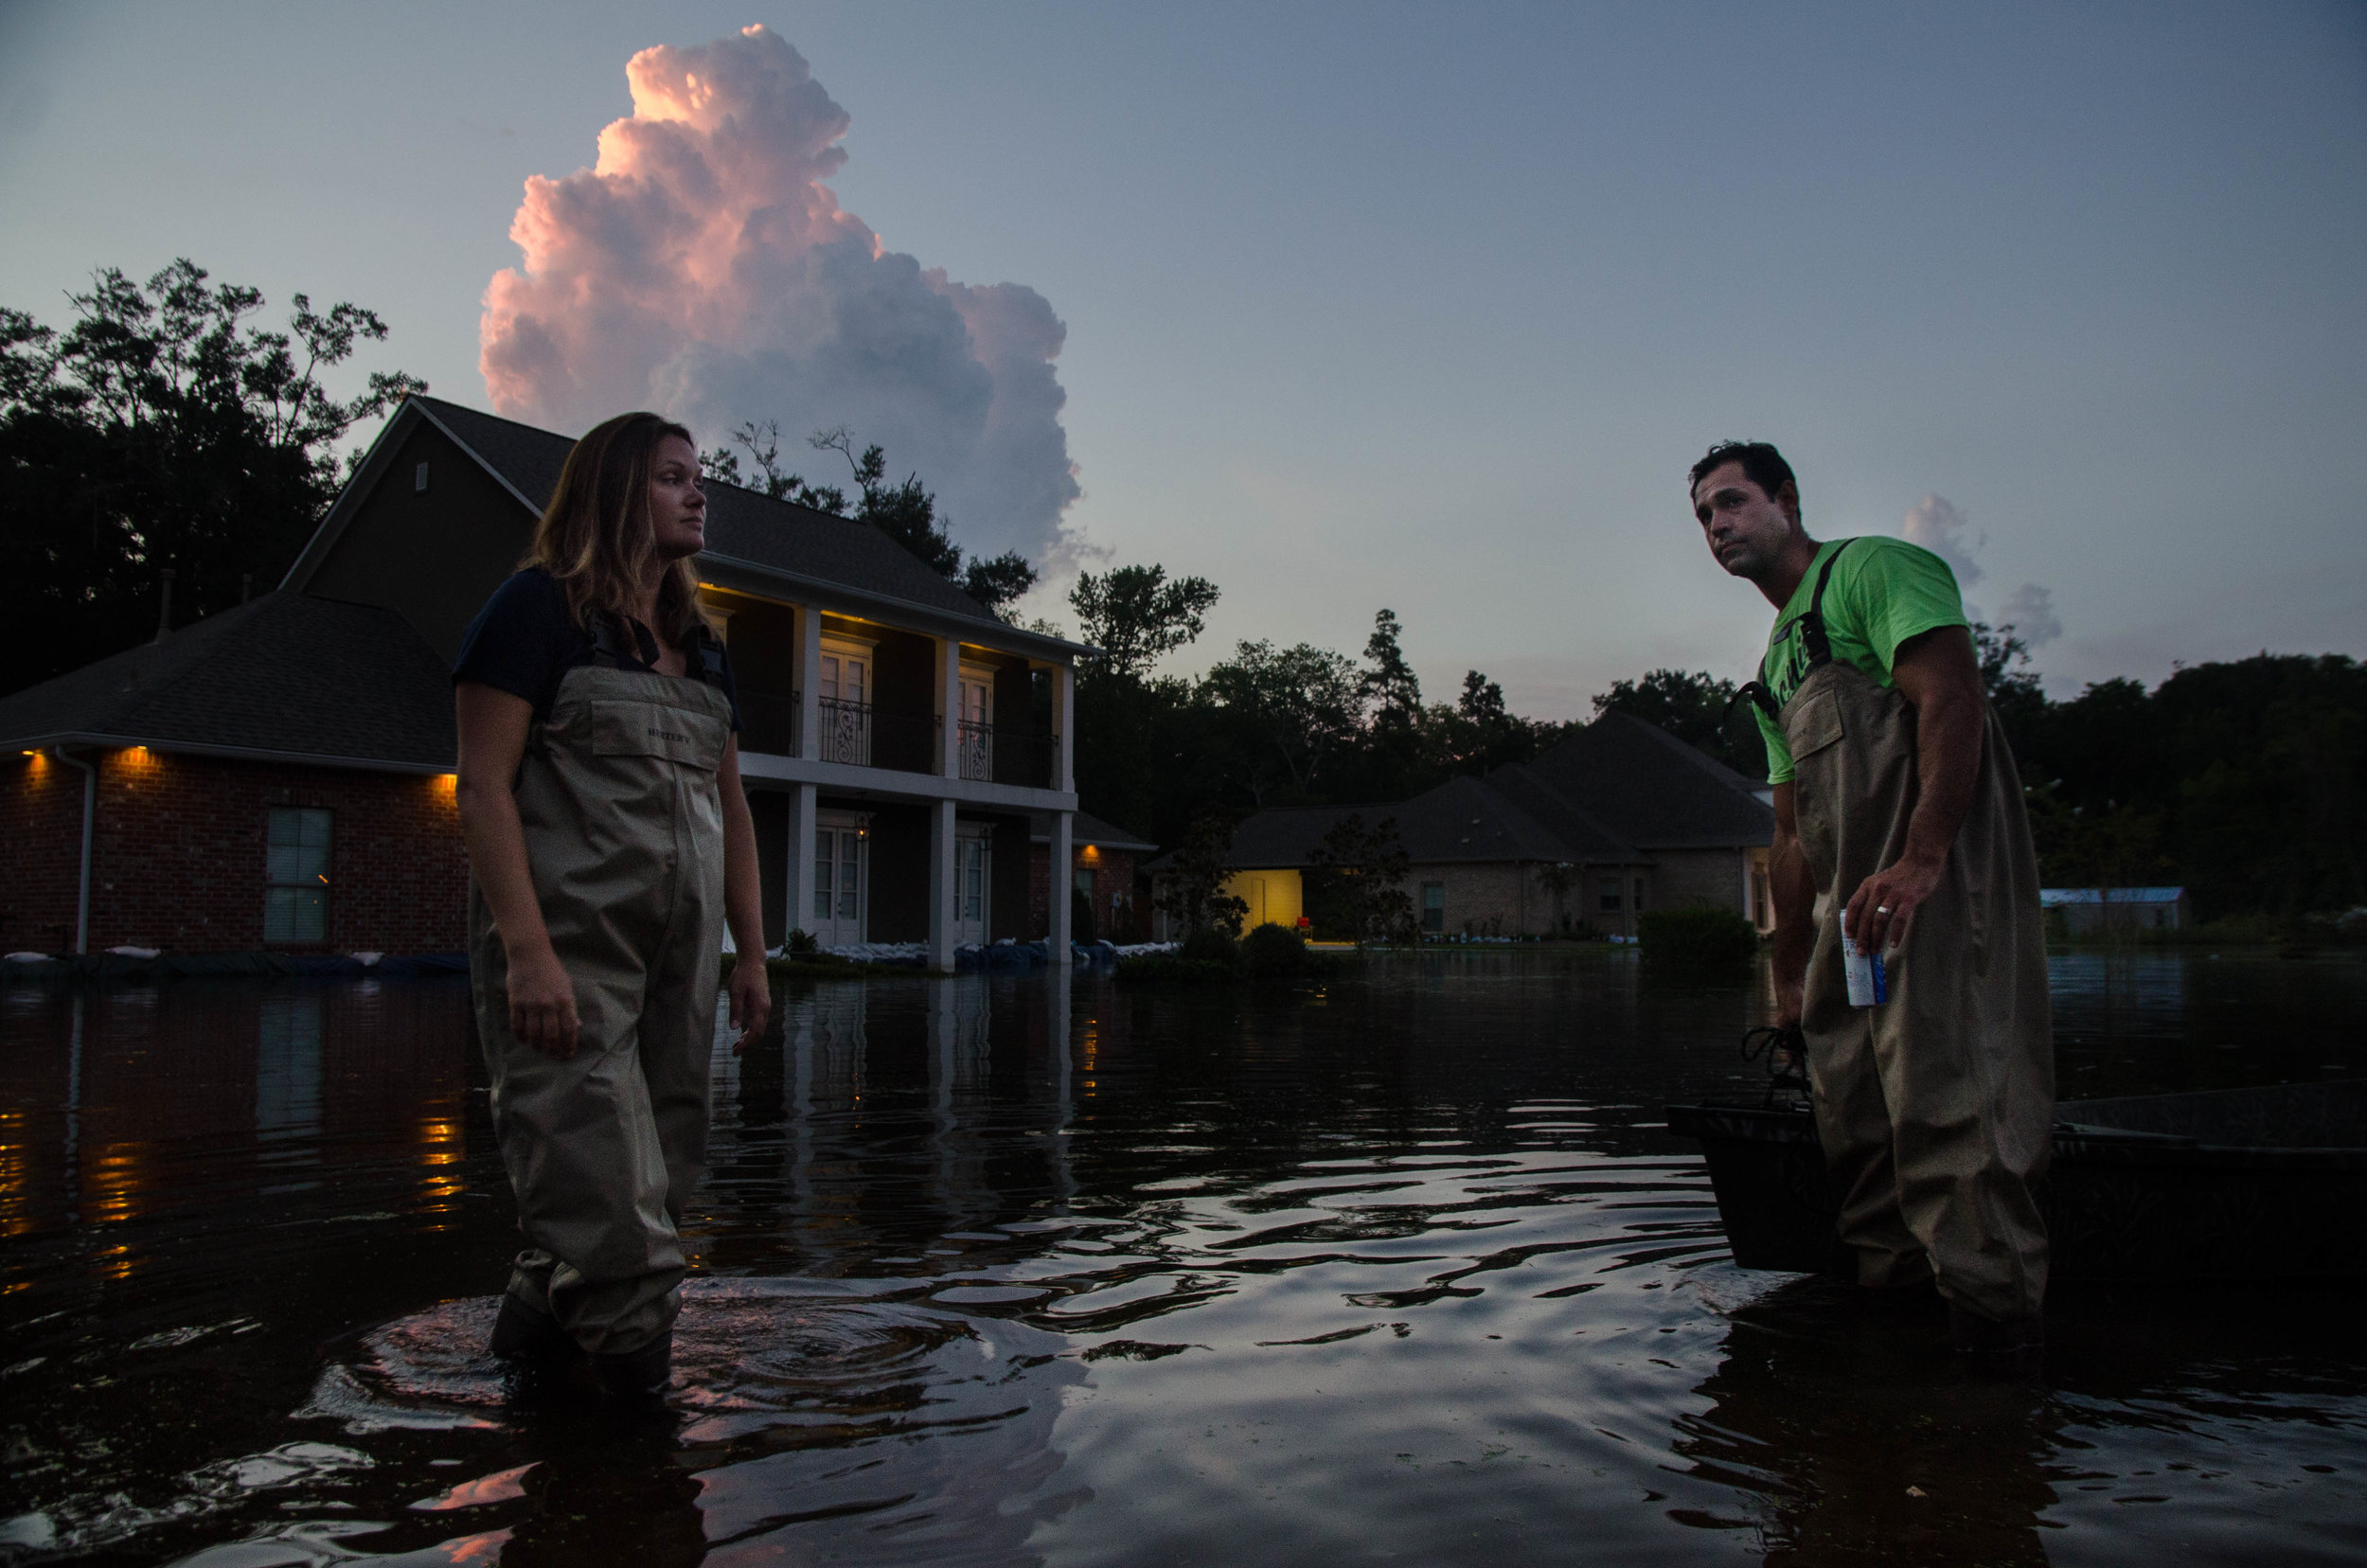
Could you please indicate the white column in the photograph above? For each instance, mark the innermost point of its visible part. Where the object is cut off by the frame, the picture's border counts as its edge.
(943, 885)
(803, 807)
(1064, 705)
(809, 694)
(949, 707)
(1063, 870)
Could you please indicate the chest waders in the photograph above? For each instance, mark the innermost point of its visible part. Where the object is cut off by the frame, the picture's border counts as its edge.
(1936, 1106)
(617, 794)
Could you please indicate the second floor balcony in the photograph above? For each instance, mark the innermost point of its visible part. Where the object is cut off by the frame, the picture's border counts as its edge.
(861, 735)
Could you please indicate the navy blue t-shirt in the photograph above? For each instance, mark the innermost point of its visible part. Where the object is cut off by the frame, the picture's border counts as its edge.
(523, 642)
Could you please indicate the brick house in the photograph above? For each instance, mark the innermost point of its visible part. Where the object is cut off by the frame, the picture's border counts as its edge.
(1102, 873)
(280, 775)
(1617, 817)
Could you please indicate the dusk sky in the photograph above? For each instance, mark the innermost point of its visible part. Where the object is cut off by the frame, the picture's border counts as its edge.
(1341, 306)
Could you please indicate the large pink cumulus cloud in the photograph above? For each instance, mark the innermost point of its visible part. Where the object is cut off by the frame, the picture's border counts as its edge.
(702, 267)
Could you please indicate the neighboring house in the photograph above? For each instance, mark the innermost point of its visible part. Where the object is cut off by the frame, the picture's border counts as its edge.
(1616, 819)
(1103, 871)
(280, 775)
(2083, 911)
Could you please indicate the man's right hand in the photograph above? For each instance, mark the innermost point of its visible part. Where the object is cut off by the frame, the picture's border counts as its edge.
(543, 1003)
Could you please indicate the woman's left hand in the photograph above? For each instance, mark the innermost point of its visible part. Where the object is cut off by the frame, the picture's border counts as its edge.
(752, 1002)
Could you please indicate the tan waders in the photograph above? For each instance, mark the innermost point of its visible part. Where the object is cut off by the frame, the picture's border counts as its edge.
(624, 831)
(1936, 1106)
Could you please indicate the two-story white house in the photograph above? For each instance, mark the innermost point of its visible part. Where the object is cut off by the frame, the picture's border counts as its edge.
(897, 736)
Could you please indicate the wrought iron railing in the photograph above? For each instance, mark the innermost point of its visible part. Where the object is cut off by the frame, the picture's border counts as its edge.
(843, 732)
(1027, 759)
(976, 744)
(768, 721)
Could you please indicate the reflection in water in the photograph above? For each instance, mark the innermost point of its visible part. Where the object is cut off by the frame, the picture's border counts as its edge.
(1003, 1272)
(288, 1086)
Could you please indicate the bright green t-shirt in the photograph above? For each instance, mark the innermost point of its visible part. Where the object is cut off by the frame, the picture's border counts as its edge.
(1883, 592)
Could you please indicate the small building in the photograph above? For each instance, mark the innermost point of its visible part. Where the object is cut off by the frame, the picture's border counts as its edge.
(2114, 910)
(1102, 879)
(1616, 819)
(280, 775)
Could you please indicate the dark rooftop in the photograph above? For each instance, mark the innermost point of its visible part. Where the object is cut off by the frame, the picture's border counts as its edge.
(286, 673)
(742, 524)
(1608, 794)
(1653, 790)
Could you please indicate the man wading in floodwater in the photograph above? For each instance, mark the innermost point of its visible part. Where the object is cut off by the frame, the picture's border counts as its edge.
(1898, 806)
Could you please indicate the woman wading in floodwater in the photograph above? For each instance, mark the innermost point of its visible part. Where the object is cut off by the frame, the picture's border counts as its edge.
(608, 843)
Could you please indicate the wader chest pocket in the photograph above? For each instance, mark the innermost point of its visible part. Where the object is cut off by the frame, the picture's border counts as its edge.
(1813, 724)
(653, 730)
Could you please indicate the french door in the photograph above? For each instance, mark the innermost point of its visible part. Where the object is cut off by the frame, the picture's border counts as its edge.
(974, 888)
(841, 863)
(846, 692)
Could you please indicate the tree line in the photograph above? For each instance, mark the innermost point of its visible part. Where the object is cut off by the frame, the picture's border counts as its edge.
(166, 428)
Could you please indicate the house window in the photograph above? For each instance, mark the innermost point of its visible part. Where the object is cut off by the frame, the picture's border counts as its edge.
(296, 875)
(1610, 903)
(1434, 906)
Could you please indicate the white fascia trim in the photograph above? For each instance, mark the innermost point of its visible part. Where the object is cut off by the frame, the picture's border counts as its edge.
(769, 582)
(235, 754)
(847, 778)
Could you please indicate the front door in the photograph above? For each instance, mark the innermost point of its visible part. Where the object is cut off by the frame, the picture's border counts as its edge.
(840, 859)
(974, 888)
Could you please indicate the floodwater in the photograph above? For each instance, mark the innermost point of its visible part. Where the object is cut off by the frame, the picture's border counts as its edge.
(1400, 1267)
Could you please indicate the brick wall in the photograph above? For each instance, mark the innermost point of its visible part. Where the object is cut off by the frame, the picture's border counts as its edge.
(1113, 882)
(1711, 877)
(177, 859)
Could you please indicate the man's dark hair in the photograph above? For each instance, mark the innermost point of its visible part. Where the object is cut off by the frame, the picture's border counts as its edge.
(1764, 465)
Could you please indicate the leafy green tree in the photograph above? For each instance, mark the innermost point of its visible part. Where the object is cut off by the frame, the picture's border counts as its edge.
(1481, 732)
(1698, 708)
(1192, 887)
(1287, 710)
(163, 429)
(1362, 872)
(1136, 616)
(1390, 685)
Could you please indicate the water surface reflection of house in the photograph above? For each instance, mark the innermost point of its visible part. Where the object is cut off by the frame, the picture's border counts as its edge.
(1616, 819)
(279, 774)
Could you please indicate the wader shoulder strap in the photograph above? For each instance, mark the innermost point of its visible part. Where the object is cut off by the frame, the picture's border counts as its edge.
(612, 648)
(706, 656)
(1812, 637)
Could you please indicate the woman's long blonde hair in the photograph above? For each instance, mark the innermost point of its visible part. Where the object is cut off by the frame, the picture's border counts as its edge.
(595, 537)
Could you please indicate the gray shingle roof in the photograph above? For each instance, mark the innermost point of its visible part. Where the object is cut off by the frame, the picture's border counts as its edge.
(1463, 820)
(286, 673)
(1608, 796)
(1652, 788)
(742, 524)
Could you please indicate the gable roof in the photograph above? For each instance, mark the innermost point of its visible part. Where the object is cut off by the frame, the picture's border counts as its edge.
(284, 676)
(753, 542)
(1653, 790)
(1610, 795)
(1086, 829)
(1463, 820)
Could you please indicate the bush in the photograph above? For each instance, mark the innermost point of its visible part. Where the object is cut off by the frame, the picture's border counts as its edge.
(1210, 945)
(1274, 950)
(802, 944)
(1698, 935)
